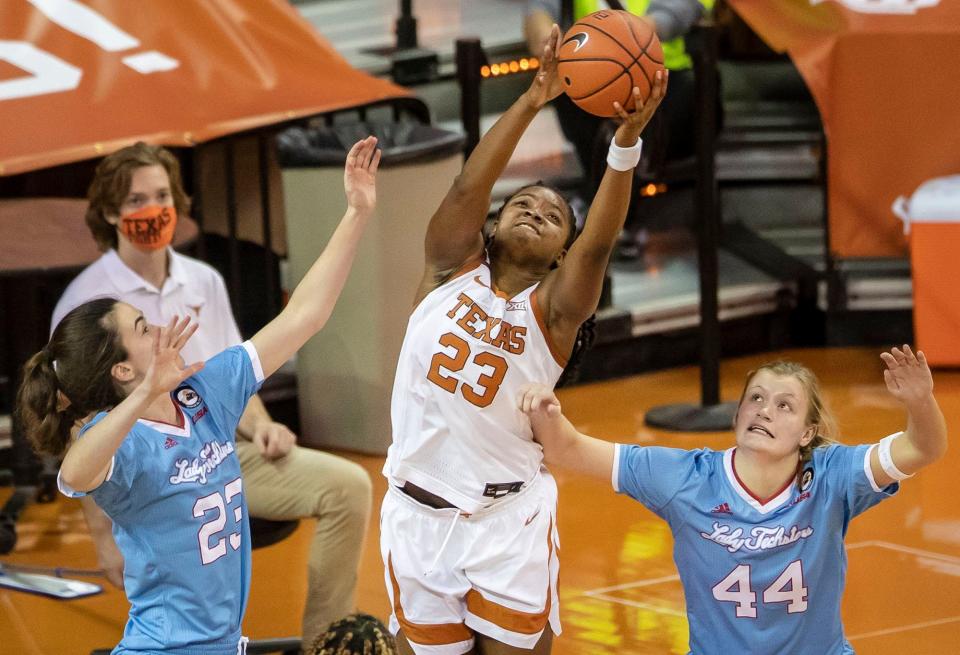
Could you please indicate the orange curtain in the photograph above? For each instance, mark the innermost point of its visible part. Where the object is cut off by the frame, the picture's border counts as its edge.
(884, 74)
(79, 78)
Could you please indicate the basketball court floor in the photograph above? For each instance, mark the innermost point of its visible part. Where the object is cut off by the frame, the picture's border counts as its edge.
(619, 588)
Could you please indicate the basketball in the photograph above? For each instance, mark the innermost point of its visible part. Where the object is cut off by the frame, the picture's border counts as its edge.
(603, 56)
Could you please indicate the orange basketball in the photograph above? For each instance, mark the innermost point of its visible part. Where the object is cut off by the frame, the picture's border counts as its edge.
(603, 56)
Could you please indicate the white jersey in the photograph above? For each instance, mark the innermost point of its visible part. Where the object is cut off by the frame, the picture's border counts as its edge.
(457, 429)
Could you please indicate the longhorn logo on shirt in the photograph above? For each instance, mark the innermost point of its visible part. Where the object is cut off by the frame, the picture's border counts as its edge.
(187, 397)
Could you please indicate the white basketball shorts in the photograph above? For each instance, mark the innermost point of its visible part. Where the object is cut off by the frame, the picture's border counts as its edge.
(450, 574)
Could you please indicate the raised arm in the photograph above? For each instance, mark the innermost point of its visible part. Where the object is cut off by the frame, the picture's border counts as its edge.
(924, 441)
(313, 300)
(571, 292)
(563, 445)
(454, 234)
(87, 462)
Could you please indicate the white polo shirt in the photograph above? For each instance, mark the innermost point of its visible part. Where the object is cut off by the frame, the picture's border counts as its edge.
(192, 288)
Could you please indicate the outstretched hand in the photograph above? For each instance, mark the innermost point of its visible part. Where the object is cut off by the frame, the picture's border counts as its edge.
(546, 84)
(907, 375)
(360, 175)
(535, 399)
(167, 370)
(632, 123)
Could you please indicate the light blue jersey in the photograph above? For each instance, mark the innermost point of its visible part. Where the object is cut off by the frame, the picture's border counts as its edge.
(759, 576)
(179, 515)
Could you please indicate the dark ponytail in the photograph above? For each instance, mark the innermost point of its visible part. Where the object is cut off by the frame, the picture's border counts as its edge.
(71, 377)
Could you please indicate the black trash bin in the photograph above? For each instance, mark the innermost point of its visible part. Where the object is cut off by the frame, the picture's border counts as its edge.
(400, 143)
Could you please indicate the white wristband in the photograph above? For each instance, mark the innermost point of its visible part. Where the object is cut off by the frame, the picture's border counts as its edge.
(886, 460)
(624, 159)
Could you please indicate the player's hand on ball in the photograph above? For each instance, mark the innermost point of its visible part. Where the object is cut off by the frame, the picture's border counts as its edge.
(632, 123)
(546, 84)
(537, 399)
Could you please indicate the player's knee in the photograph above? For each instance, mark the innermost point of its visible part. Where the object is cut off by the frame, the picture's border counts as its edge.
(351, 495)
(358, 488)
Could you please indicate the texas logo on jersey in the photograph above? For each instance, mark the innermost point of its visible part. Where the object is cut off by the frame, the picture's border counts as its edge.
(489, 329)
(468, 349)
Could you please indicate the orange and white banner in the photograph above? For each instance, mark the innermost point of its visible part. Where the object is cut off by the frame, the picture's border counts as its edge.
(79, 78)
(884, 74)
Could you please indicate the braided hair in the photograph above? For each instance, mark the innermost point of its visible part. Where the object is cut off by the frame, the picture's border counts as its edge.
(357, 634)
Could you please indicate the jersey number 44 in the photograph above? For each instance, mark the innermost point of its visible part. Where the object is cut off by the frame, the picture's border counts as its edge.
(787, 588)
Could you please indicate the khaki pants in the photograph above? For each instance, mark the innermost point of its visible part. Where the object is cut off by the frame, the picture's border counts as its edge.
(312, 484)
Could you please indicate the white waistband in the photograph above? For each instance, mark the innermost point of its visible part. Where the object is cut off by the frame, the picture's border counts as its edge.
(450, 512)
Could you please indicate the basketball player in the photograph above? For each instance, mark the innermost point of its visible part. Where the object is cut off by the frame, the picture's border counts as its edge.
(140, 185)
(758, 529)
(468, 530)
(159, 456)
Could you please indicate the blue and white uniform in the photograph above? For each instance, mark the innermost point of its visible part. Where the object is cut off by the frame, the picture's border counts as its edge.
(179, 515)
(759, 576)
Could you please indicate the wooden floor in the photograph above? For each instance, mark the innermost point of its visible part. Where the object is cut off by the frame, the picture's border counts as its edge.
(619, 589)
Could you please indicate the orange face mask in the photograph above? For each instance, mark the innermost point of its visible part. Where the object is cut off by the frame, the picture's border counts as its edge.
(150, 228)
